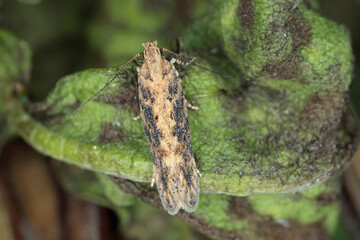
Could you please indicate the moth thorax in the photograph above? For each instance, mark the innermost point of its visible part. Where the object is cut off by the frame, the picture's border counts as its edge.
(152, 54)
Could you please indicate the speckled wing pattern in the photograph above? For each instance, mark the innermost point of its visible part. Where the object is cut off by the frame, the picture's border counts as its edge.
(164, 114)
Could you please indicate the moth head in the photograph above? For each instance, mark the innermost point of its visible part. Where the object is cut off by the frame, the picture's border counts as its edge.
(152, 52)
(150, 44)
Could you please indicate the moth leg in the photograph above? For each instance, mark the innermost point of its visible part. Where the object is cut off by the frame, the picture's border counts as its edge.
(181, 60)
(189, 105)
(136, 118)
(197, 170)
(153, 180)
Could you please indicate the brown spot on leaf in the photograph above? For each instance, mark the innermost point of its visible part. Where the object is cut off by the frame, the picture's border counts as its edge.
(126, 96)
(300, 32)
(45, 113)
(246, 13)
(286, 69)
(299, 28)
(323, 112)
(240, 208)
(295, 231)
(322, 117)
(326, 199)
(111, 133)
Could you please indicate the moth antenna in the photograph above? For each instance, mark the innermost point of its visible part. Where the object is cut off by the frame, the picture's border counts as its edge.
(106, 85)
(212, 71)
(191, 61)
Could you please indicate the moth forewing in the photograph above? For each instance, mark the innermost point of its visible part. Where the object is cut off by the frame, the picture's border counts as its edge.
(166, 124)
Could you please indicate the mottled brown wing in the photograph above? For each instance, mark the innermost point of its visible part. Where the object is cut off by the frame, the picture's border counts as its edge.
(186, 167)
(188, 183)
(166, 124)
(156, 126)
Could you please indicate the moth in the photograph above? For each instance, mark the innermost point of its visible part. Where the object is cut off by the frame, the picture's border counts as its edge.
(163, 110)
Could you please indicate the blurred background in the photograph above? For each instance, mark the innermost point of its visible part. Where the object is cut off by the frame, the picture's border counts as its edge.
(70, 36)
